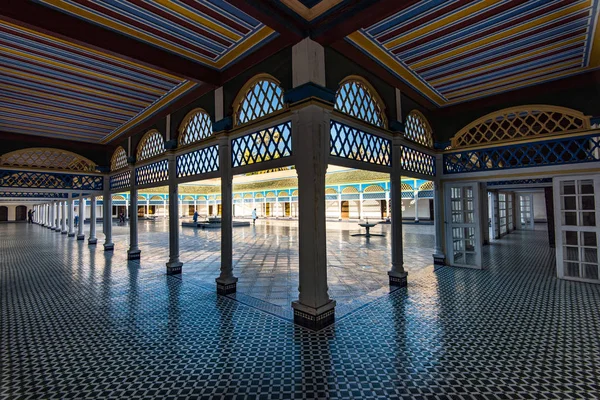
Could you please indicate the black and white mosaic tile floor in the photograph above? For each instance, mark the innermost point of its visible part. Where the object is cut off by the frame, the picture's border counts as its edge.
(76, 322)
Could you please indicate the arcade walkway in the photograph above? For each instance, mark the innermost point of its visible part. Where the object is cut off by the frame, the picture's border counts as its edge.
(79, 322)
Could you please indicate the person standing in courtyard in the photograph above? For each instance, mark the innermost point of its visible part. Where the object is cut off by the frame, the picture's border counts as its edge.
(195, 217)
(76, 221)
(254, 217)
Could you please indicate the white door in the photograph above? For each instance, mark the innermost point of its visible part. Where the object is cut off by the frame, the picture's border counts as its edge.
(576, 205)
(464, 228)
(526, 211)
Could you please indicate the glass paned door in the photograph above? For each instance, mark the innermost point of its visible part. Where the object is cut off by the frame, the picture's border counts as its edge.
(463, 226)
(502, 222)
(577, 228)
(526, 211)
(509, 208)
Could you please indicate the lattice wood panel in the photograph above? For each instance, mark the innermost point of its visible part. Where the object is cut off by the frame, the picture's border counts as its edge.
(46, 180)
(198, 162)
(265, 145)
(520, 122)
(417, 129)
(551, 152)
(353, 144)
(48, 195)
(416, 161)
(152, 173)
(357, 98)
(195, 127)
(121, 180)
(151, 145)
(119, 159)
(260, 97)
(47, 158)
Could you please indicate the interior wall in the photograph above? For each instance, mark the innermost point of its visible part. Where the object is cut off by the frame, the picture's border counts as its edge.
(408, 209)
(539, 207)
(12, 210)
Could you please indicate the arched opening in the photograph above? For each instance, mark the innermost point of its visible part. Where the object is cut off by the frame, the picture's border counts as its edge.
(195, 126)
(356, 97)
(260, 96)
(151, 145)
(21, 213)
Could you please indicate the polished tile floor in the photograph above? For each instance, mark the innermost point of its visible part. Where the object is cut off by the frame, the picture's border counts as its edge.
(76, 322)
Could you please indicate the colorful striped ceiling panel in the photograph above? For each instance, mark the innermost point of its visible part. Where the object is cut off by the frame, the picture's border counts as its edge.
(211, 32)
(458, 50)
(54, 88)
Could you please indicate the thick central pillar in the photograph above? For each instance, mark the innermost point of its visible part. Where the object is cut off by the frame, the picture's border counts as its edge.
(81, 212)
(226, 282)
(71, 214)
(397, 274)
(92, 238)
(174, 265)
(64, 216)
(313, 309)
(107, 216)
(134, 251)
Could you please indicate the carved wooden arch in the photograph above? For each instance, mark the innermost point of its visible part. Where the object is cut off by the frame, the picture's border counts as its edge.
(202, 128)
(405, 187)
(374, 189)
(119, 159)
(152, 144)
(47, 158)
(373, 96)
(520, 122)
(426, 186)
(245, 94)
(330, 191)
(349, 190)
(418, 129)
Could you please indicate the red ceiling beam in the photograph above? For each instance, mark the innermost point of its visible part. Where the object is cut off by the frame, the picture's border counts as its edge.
(55, 23)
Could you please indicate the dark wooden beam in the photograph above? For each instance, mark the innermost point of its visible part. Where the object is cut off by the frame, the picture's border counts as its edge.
(55, 23)
(367, 62)
(271, 14)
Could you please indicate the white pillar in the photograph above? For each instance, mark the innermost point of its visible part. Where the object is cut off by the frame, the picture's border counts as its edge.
(71, 215)
(387, 203)
(339, 198)
(310, 134)
(438, 256)
(64, 215)
(174, 265)
(397, 274)
(107, 216)
(81, 212)
(226, 282)
(92, 238)
(52, 215)
(134, 251)
(416, 197)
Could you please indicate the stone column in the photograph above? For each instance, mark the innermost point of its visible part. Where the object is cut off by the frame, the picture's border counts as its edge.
(71, 215)
(51, 218)
(397, 274)
(226, 282)
(339, 198)
(107, 216)
(134, 251)
(439, 257)
(56, 226)
(92, 238)
(387, 204)
(64, 213)
(360, 205)
(81, 212)
(174, 265)
(310, 134)
(484, 214)
(416, 196)
(59, 216)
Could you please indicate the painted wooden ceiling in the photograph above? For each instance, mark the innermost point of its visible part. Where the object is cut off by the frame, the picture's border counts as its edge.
(211, 32)
(458, 50)
(54, 88)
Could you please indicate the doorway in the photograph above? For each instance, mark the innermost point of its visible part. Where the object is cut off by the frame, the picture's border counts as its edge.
(21, 213)
(3, 213)
(464, 230)
(345, 209)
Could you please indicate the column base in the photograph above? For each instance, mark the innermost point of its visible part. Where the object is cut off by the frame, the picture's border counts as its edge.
(80, 237)
(64, 232)
(398, 279)
(71, 235)
(314, 318)
(109, 246)
(92, 241)
(174, 268)
(134, 254)
(439, 259)
(226, 286)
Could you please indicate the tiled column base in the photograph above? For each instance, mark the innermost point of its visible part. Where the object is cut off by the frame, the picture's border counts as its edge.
(397, 279)
(80, 237)
(109, 246)
(174, 268)
(134, 254)
(64, 232)
(311, 318)
(71, 235)
(439, 259)
(226, 286)
(92, 241)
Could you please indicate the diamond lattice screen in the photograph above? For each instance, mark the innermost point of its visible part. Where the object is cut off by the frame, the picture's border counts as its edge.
(416, 161)
(47, 158)
(354, 98)
(198, 162)
(49, 195)
(151, 145)
(195, 127)
(354, 144)
(42, 180)
(263, 98)
(551, 152)
(119, 159)
(121, 180)
(152, 173)
(264, 145)
(519, 122)
(418, 130)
